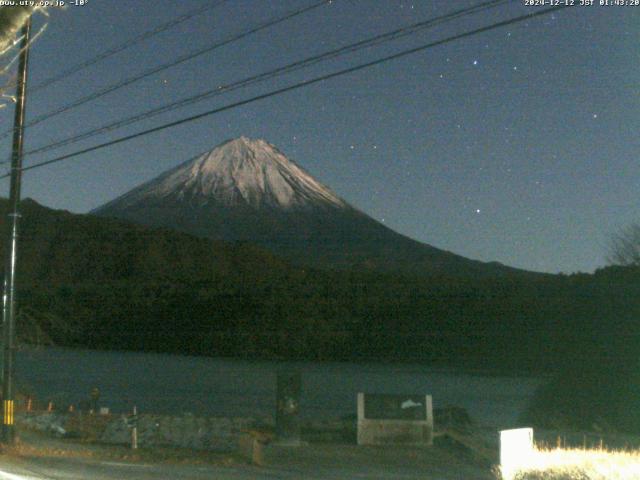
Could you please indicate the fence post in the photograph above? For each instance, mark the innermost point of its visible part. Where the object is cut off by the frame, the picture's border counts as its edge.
(289, 386)
(134, 429)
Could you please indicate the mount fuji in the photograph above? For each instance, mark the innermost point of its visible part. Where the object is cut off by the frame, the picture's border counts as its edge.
(247, 190)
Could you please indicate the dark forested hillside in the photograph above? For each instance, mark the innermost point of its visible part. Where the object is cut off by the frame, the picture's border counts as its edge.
(103, 283)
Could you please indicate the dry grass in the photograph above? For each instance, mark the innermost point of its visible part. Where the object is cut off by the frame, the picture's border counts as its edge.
(577, 464)
(34, 444)
(88, 428)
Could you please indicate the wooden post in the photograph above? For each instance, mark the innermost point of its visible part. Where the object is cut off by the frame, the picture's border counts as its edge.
(134, 430)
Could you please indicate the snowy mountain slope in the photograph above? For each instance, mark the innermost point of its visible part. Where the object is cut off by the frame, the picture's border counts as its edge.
(247, 190)
(238, 172)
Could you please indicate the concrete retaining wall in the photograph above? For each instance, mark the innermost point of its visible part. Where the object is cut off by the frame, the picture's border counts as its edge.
(186, 431)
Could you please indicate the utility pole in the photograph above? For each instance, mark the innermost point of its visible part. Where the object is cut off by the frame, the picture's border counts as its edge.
(11, 252)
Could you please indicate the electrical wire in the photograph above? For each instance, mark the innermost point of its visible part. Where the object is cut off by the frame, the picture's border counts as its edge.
(299, 85)
(173, 63)
(223, 89)
(125, 45)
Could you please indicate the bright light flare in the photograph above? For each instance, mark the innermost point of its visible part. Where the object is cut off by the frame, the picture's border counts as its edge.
(12, 476)
(574, 464)
(516, 449)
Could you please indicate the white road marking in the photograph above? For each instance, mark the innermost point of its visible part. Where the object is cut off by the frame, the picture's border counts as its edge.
(120, 464)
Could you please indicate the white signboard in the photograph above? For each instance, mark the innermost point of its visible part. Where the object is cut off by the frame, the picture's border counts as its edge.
(395, 419)
(516, 448)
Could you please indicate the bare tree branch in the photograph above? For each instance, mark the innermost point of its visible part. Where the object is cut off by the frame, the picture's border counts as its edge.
(625, 247)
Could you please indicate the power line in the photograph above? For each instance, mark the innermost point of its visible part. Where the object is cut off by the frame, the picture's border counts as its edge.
(125, 45)
(299, 85)
(179, 60)
(223, 89)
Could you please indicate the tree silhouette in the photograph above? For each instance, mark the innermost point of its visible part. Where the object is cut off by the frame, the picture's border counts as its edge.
(625, 247)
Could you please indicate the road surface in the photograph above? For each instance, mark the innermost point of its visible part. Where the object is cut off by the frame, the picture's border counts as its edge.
(319, 462)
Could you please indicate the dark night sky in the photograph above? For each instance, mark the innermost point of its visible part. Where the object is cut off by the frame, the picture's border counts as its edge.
(518, 145)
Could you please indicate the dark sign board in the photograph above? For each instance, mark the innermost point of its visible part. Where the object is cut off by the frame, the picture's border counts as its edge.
(394, 407)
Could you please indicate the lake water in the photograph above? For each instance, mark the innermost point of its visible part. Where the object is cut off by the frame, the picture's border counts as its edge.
(173, 384)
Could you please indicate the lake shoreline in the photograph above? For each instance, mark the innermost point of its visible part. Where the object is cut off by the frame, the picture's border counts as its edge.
(169, 384)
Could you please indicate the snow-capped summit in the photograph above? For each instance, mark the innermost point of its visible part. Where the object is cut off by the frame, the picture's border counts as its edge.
(247, 190)
(242, 172)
